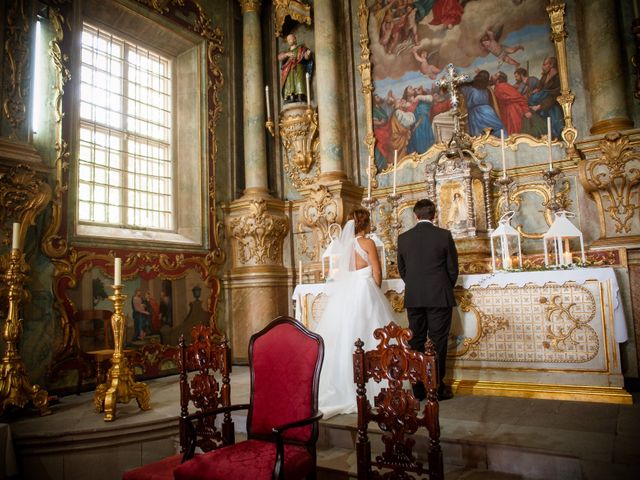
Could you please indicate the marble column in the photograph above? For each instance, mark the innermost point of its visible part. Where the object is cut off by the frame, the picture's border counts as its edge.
(255, 147)
(328, 95)
(604, 67)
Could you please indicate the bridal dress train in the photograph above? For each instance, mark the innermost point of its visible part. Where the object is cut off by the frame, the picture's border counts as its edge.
(355, 308)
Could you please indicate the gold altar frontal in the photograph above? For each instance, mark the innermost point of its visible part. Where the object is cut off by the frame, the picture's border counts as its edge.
(545, 334)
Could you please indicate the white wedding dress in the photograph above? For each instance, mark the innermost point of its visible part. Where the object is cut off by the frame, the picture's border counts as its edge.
(355, 308)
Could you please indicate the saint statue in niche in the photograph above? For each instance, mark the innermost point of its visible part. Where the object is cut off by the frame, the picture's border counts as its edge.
(457, 211)
(297, 62)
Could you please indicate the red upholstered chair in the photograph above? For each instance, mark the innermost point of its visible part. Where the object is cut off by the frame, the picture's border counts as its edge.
(282, 422)
(396, 410)
(206, 389)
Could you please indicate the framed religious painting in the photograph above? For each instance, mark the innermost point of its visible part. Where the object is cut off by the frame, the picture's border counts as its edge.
(511, 51)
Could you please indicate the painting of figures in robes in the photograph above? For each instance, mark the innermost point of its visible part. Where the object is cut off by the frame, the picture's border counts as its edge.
(503, 46)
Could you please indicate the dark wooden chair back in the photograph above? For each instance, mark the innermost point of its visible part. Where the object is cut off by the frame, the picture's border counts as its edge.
(207, 388)
(396, 410)
(285, 360)
(205, 366)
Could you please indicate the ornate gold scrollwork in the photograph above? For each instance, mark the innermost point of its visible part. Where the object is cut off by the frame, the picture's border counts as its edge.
(612, 179)
(559, 338)
(259, 234)
(485, 324)
(318, 212)
(299, 135)
(396, 300)
(566, 98)
(16, 49)
(542, 190)
(295, 9)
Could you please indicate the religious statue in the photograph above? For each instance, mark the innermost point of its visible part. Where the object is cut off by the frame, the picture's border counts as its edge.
(296, 64)
(457, 211)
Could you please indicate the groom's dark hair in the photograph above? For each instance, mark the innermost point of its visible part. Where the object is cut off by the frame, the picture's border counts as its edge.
(424, 209)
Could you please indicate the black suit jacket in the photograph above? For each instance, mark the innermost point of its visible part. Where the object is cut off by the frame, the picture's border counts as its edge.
(428, 264)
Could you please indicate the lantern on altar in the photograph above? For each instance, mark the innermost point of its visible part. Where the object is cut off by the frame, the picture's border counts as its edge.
(560, 234)
(331, 256)
(505, 243)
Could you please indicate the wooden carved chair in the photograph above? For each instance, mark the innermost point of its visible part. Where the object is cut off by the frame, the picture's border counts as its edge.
(282, 422)
(205, 390)
(396, 410)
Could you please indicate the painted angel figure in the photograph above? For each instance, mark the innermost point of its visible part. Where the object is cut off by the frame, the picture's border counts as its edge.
(489, 42)
(427, 69)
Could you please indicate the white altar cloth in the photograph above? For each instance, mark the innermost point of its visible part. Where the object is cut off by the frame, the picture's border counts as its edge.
(502, 279)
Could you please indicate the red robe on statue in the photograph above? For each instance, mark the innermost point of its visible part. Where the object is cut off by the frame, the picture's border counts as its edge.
(447, 12)
(512, 104)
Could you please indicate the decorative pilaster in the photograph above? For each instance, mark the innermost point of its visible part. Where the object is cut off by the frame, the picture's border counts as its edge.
(603, 61)
(255, 145)
(610, 173)
(329, 90)
(257, 285)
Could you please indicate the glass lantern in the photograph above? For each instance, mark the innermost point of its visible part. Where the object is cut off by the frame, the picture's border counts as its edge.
(331, 256)
(508, 243)
(560, 234)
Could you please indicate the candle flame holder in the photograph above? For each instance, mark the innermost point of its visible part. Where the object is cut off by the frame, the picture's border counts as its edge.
(120, 386)
(391, 225)
(504, 185)
(550, 178)
(15, 388)
(370, 203)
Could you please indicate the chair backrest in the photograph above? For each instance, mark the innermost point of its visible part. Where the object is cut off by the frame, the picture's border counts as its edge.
(285, 361)
(396, 410)
(95, 325)
(207, 388)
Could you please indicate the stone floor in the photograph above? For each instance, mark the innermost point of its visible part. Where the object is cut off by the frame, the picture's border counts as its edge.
(482, 437)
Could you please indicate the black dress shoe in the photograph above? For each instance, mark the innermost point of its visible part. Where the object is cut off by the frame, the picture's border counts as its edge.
(445, 393)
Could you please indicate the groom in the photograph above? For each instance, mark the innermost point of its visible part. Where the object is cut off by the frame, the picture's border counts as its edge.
(428, 264)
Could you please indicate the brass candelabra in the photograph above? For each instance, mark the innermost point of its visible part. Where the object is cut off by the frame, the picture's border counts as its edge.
(504, 184)
(15, 388)
(120, 386)
(550, 179)
(370, 203)
(392, 226)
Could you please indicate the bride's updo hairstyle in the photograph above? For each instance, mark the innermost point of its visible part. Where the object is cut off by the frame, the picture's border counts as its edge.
(361, 219)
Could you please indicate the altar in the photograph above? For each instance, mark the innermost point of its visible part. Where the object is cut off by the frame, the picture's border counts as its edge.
(541, 334)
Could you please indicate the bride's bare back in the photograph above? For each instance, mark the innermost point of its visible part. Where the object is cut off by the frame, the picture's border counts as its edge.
(368, 246)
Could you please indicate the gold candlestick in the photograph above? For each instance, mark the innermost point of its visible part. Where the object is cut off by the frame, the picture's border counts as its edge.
(15, 388)
(120, 386)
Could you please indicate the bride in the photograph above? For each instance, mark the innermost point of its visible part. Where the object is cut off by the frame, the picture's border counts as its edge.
(356, 307)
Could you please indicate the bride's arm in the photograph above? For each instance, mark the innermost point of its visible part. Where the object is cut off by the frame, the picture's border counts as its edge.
(372, 252)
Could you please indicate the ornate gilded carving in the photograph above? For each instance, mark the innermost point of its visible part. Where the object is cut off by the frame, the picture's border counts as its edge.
(396, 300)
(247, 6)
(566, 98)
(612, 177)
(542, 190)
(298, 11)
(299, 136)
(259, 235)
(318, 212)
(16, 52)
(565, 326)
(22, 196)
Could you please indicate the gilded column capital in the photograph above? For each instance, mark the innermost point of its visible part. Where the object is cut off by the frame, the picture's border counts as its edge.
(248, 6)
(258, 235)
(610, 173)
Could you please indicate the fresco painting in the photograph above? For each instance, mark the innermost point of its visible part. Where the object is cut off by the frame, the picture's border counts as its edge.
(503, 46)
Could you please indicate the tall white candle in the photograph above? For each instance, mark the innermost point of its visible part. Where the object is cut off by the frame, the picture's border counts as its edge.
(300, 272)
(266, 98)
(15, 240)
(369, 178)
(395, 168)
(117, 271)
(549, 143)
(308, 89)
(504, 161)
